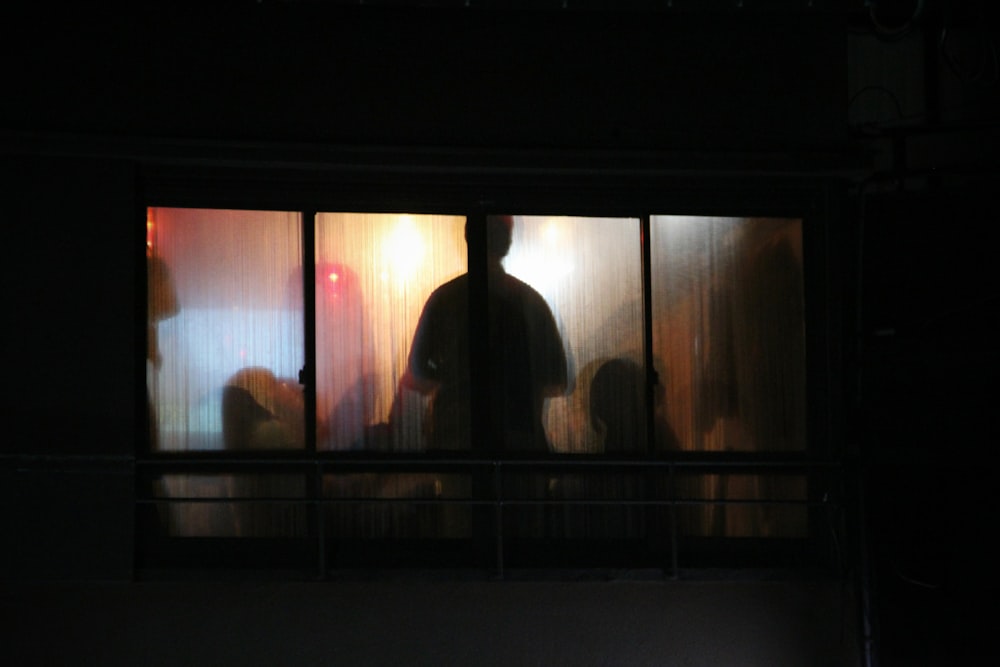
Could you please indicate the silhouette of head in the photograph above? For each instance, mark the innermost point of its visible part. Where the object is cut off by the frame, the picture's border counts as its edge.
(499, 231)
(617, 405)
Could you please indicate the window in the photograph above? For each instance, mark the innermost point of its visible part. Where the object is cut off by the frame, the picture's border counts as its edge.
(338, 390)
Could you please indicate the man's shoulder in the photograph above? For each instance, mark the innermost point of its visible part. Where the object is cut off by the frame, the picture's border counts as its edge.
(525, 291)
(455, 284)
(448, 292)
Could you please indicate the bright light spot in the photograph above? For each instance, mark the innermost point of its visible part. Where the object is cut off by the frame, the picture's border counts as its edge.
(403, 249)
(551, 233)
(333, 277)
(543, 264)
(543, 271)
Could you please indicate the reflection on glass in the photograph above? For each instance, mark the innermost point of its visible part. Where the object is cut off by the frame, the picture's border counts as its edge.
(234, 346)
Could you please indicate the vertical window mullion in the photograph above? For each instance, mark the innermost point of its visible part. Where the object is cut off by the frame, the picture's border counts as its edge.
(652, 379)
(479, 381)
(485, 481)
(307, 376)
(651, 477)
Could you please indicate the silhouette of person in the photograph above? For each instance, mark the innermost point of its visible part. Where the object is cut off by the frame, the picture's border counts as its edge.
(261, 411)
(618, 408)
(161, 304)
(617, 405)
(525, 365)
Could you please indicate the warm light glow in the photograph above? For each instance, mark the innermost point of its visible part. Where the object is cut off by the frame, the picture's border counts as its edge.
(333, 277)
(150, 227)
(545, 264)
(403, 250)
(551, 232)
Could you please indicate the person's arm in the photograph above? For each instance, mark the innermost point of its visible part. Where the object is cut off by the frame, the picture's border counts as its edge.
(420, 372)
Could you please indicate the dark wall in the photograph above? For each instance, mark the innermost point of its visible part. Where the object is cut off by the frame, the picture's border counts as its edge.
(927, 360)
(325, 72)
(71, 261)
(70, 285)
(928, 392)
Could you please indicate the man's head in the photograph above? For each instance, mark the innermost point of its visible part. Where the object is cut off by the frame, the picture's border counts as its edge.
(499, 231)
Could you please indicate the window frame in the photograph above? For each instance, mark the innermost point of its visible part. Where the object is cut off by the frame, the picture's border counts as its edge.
(475, 193)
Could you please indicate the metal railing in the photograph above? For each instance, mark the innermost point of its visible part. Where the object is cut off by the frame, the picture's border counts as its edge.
(508, 486)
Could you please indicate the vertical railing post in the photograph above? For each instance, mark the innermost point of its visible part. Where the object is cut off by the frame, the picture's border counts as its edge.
(498, 504)
(672, 499)
(320, 520)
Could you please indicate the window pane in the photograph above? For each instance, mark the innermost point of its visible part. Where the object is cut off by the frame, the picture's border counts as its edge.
(729, 332)
(374, 273)
(581, 278)
(232, 505)
(588, 505)
(589, 272)
(225, 329)
(374, 505)
(742, 505)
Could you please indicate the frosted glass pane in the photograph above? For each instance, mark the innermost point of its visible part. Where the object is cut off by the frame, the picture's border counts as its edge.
(262, 505)
(729, 331)
(729, 345)
(589, 271)
(347, 517)
(225, 329)
(739, 505)
(374, 273)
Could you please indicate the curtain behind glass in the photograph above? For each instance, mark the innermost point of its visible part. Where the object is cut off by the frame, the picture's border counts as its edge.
(374, 273)
(589, 271)
(230, 353)
(729, 331)
(225, 318)
(729, 346)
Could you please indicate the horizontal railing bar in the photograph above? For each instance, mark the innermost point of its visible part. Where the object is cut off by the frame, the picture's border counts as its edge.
(67, 464)
(478, 502)
(431, 464)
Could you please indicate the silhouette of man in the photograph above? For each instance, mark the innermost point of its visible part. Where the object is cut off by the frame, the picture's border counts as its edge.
(525, 363)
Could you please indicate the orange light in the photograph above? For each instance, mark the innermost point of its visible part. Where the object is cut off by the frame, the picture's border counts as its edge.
(149, 236)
